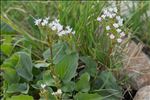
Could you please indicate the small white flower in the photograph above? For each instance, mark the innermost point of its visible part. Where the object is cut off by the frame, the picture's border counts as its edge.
(113, 4)
(37, 21)
(53, 28)
(61, 33)
(59, 27)
(112, 36)
(105, 11)
(113, 14)
(110, 9)
(118, 30)
(107, 27)
(115, 9)
(43, 85)
(115, 25)
(73, 32)
(109, 15)
(120, 22)
(53, 93)
(68, 30)
(50, 25)
(67, 27)
(119, 40)
(99, 19)
(45, 21)
(122, 34)
(59, 91)
(118, 17)
(103, 16)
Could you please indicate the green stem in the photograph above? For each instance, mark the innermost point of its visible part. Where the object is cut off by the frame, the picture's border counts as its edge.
(52, 70)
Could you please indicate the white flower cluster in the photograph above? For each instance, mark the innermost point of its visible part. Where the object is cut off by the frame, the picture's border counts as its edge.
(55, 26)
(58, 92)
(43, 85)
(113, 22)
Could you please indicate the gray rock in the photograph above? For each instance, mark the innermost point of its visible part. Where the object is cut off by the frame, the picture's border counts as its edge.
(136, 66)
(143, 94)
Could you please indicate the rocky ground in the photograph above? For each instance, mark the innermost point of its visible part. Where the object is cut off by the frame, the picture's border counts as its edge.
(137, 68)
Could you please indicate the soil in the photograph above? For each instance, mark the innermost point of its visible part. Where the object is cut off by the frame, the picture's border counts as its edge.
(129, 95)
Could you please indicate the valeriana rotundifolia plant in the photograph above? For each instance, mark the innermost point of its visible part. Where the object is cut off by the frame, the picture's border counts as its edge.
(54, 32)
(112, 23)
(110, 20)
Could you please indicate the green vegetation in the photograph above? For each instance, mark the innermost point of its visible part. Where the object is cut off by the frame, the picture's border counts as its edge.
(37, 63)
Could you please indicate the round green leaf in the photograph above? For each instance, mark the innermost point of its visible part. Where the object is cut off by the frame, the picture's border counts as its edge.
(66, 68)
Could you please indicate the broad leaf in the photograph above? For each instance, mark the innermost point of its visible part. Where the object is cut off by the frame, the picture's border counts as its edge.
(58, 52)
(22, 88)
(66, 68)
(110, 85)
(68, 87)
(9, 72)
(21, 63)
(24, 66)
(87, 96)
(83, 84)
(20, 97)
(11, 62)
(109, 80)
(90, 65)
(46, 79)
(10, 75)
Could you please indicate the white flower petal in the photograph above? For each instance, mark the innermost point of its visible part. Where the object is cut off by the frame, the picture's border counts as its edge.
(43, 85)
(105, 11)
(122, 34)
(113, 14)
(119, 40)
(59, 91)
(118, 30)
(99, 19)
(61, 33)
(53, 28)
(37, 21)
(115, 25)
(53, 93)
(110, 9)
(73, 32)
(107, 27)
(118, 17)
(120, 22)
(115, 9)
(59, 27)
(103, 16)
(112, 36)
(68, 30)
